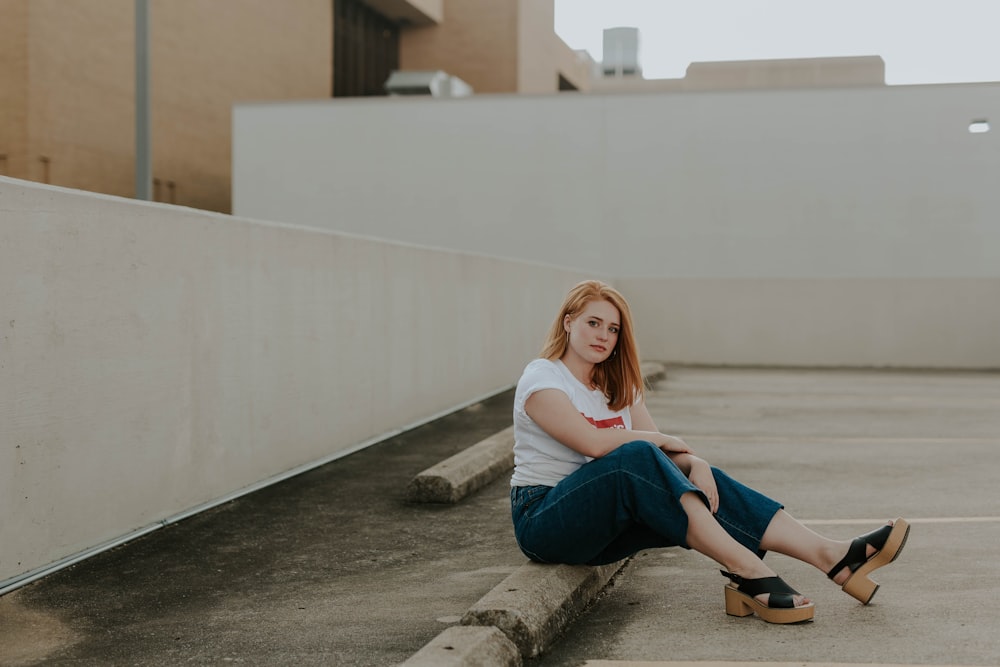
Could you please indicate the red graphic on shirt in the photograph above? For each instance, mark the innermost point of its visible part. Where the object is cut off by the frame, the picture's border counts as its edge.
(614, 422)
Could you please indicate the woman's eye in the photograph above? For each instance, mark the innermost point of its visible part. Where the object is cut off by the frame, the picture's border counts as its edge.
(613, 330)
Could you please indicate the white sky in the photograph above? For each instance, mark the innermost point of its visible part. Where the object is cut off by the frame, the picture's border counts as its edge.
(921, 41)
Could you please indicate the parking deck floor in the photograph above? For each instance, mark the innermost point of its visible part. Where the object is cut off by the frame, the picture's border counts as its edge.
(335, 567)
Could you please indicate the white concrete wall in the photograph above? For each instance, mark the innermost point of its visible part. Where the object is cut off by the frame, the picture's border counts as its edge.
(900, 322)
(500, 175)
(155, 358)
(851, 226)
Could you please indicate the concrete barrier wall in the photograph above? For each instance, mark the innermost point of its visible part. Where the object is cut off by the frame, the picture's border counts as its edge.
(911, 322)
(515, 176)
(154, 358)
(852, 226)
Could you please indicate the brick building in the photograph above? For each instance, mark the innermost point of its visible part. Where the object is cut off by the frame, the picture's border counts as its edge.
(67, 79)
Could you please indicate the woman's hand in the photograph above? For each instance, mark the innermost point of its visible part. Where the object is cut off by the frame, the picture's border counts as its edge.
(701, 476)
(552, 410)
(671, 444)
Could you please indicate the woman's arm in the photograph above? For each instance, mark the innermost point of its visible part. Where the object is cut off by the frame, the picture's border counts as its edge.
(694, 468)
(643, 421)
(552, 410)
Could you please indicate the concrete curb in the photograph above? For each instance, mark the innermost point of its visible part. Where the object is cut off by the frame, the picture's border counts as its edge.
(536, 602)
(467, 646)
(466, 472)
(653, 371)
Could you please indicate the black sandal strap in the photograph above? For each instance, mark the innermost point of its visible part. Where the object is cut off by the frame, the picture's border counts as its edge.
(857, 553)
(779, 593)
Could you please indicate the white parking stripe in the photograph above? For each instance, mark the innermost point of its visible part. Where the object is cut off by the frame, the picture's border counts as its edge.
(694, 437)
(633, 663)
(944, 519)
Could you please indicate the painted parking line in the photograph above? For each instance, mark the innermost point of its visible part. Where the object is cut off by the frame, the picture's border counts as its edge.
(943, 519)
(889, 440)
(632, 663)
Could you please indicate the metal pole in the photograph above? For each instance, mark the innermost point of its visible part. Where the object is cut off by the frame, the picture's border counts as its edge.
(143, 154)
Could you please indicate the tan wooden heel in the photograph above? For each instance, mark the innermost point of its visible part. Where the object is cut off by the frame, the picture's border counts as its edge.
(861, 588)
(735, 606)
(859, 585)
(742, 603)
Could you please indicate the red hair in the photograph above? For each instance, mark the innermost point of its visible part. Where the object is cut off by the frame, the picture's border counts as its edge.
(619, 376)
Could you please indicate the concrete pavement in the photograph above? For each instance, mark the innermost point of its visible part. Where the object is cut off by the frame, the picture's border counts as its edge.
(337, 567)
(332, 567)
(843, 450)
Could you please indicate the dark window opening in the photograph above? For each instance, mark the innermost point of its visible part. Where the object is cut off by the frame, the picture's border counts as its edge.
(621, 71)
(365, 49)
(566, 84)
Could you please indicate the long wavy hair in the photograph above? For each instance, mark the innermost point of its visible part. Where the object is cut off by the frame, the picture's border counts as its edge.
(618, 376)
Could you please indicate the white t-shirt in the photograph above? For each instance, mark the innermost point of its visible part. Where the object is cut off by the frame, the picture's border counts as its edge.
(538, 457)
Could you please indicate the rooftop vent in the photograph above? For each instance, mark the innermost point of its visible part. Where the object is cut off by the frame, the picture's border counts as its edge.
(621, 52)
(434, 83)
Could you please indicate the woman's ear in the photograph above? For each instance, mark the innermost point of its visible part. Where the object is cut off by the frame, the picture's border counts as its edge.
(566, 321)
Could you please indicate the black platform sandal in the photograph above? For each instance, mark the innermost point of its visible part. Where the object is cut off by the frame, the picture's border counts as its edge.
(780, 607)
(888, 542)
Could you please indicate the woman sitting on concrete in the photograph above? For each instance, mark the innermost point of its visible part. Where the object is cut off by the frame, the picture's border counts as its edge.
(595, 481)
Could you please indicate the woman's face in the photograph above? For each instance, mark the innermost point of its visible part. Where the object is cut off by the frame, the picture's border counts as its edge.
(593, 334)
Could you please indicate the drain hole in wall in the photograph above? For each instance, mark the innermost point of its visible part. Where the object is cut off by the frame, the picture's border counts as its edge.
(979, 126)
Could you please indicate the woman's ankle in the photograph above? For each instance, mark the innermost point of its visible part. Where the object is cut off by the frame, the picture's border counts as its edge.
(750, 569)
(835, 555)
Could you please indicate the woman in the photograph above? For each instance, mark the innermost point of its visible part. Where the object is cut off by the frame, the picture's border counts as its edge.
(595, 481)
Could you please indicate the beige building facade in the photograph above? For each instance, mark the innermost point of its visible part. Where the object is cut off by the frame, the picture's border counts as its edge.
(67, 80)
(67, 85)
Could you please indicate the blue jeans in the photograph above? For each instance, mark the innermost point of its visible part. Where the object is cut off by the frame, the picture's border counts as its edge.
(624, 502)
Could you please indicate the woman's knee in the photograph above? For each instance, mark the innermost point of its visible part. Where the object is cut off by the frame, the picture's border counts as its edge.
(636, 451)
(725, 483)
